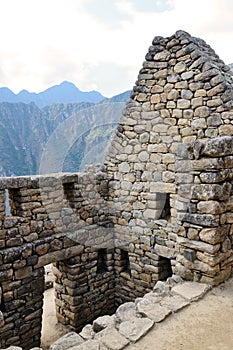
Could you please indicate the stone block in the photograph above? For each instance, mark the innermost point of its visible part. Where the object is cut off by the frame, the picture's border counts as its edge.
(164, 251)
(189, 254)
(23, 273)
(154, 311)
(197, 265)
(103, 322)
(112, 339)
(200, 219)
(162, 187)
(174, 302)
(69, 340)
(183, 104)
(125, 312)
(87, 332)
(135, 328)
(198, 245)
(191, 291)
(89, 345)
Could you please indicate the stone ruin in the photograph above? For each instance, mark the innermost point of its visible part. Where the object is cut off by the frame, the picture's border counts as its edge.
(162, 204)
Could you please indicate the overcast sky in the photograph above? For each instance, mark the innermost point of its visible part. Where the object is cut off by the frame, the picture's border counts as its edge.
(98, 44)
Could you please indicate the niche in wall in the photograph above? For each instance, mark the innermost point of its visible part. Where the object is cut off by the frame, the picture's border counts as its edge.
(102, 261)
(165, 268)
(125, 262)
(166, 212)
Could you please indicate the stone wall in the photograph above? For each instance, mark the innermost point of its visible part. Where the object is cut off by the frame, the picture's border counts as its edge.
(54, 219)
(201, 239)
(183, 95)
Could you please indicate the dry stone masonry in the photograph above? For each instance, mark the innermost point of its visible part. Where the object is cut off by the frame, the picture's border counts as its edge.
(171, 165)
(54, 219)
(161, 205)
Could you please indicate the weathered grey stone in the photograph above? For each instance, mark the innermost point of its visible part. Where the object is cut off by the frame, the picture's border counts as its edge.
(153, 311)
(172, 281)
(112, 339)
(198, 245)
(202, 112)
(211, 192)
(67, 341)
(88, 345)
(191, 291)
(164, 251)
(183, 104)
(162, 56)
(125, 312)
(174, 302)
(199, 123)
(135, 328)
(218, 147)
(180, 67)
(103, 322)
(186, 94)
(173, 78)
(187, 75)
(213, 235)
(124, 167)
(161, 289)
(87, 332)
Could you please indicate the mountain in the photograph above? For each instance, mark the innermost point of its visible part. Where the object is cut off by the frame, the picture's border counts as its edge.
(123, 97)
(57, 137)
(23, 131)
(65, 92)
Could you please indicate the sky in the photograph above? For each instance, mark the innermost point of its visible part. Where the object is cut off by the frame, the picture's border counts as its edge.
(98, 44)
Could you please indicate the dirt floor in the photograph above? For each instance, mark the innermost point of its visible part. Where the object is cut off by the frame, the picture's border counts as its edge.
(204, 325)
(51, 329)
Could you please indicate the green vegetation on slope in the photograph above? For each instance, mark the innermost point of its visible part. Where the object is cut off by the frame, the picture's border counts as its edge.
(78, 133)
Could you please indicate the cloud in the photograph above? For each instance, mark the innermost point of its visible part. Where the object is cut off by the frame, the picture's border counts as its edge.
(151, 5)
(98, 43)
(109, 77)
(106, 12)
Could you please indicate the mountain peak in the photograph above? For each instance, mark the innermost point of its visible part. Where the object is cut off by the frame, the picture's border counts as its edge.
(66, 83)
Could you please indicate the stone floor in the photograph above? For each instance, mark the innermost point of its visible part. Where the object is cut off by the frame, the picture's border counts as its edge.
(165, 322)
(203, 325)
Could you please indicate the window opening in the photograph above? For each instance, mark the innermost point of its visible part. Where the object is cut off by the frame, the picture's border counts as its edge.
(125, 262)
(165, 268)
(101, 261)
(7, 203)
(13, 201)
(166, 213)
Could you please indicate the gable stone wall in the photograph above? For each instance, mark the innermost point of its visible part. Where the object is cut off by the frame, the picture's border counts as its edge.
(182, 99)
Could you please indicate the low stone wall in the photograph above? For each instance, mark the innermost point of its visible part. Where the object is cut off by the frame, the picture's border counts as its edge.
(59, 219)
(65, 219)
(133, 320)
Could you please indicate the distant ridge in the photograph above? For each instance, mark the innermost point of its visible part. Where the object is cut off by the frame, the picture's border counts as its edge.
(66, 92)
(25, 129)
(123, 97)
